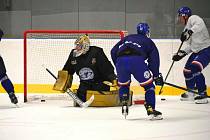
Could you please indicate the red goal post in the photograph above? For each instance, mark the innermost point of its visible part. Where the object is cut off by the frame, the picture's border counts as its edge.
(51, 48)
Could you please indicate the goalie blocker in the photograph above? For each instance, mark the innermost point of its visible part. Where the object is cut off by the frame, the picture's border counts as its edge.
(63, 81)
(105, 98)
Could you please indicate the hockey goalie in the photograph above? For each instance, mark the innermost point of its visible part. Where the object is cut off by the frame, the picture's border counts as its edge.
(94, 70)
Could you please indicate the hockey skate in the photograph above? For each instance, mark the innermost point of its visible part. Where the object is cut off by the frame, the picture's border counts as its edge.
(201, 98)
(124, 108)
(187, 96)
(13, 98)
(152, 113)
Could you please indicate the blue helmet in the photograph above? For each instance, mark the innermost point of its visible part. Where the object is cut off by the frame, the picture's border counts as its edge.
(143, 28)
(184, 11)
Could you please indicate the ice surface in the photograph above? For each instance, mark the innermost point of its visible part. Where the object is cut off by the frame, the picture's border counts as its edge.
(58, 120)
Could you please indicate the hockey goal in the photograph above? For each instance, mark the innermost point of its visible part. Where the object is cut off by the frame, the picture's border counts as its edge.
(51, 48)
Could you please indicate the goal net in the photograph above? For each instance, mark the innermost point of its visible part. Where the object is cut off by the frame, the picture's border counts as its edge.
(50, 49)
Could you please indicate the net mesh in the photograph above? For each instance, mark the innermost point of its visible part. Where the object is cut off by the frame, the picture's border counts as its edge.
(51, 50)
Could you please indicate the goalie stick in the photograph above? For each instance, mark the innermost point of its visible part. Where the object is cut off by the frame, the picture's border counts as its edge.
(73, 96)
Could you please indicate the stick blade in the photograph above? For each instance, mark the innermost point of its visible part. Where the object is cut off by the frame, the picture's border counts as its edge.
(88, 102)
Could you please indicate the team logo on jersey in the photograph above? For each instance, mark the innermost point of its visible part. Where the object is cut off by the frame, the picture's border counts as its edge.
(86, 74)
(146, 74)
(73, 62)
(93, 61)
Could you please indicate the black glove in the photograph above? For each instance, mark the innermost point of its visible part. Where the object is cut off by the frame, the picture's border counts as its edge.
(186, 35)
(159, 80)
(178, 56)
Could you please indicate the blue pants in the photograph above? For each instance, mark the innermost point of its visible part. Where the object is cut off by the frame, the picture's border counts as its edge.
(5, 81)
(136, 66)
(2, 67)
(193, 68)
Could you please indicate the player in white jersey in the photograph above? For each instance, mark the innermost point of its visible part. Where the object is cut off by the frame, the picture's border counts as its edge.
(196, 37)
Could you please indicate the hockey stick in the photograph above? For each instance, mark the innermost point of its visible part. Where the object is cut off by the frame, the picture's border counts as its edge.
(170, 68)
(70, 93)
(176, 86)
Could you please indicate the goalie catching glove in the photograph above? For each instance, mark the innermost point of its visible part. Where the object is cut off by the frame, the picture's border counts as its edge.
(63, 81)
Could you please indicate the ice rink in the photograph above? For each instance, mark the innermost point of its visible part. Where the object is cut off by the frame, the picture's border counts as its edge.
(58, 120)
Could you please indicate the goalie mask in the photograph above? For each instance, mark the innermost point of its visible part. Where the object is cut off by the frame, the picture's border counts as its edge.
(82, 45)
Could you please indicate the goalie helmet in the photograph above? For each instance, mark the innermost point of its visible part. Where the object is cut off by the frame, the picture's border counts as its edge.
(82, 45)
(184, 11)
(143, 28)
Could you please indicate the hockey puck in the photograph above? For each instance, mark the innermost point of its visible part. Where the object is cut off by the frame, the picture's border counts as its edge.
(42, 100)
(163, 99)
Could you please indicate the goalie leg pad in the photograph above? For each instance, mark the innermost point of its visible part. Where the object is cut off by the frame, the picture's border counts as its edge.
(63, 81)
(107, 99)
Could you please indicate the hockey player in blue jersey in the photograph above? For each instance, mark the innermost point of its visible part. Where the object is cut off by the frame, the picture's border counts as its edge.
(196, 37)
(129, 56)
(5, 81)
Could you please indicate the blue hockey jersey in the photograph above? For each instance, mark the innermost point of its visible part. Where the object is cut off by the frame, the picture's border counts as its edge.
(143, 46)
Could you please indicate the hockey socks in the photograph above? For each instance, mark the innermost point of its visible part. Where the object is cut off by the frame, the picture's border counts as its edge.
(150, 97)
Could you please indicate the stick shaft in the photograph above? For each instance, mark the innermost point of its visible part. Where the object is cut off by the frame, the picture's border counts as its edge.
(51, 73)
(179, 87)
(170, 68)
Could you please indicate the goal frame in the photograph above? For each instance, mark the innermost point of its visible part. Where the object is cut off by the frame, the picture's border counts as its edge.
(121, 34)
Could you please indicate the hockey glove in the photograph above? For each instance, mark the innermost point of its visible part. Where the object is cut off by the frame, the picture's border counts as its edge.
(114, 84)
(63, 82)
(159, 80)
(178, 56)
(186, 35)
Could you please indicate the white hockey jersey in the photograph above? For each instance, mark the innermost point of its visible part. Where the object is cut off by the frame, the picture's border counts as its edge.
(200, 37)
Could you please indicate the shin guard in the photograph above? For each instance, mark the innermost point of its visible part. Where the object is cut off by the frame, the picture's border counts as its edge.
(7, 84)
(150, 95)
